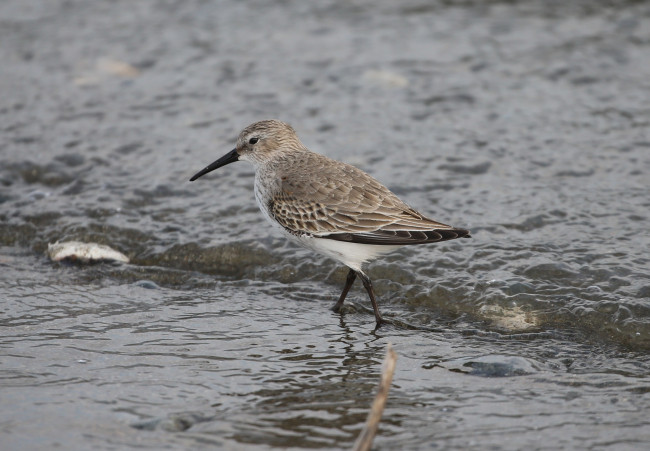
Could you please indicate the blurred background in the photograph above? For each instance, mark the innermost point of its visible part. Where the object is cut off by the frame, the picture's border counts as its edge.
(524, 121)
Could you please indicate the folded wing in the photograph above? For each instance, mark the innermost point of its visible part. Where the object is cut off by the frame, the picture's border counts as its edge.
(354, 208)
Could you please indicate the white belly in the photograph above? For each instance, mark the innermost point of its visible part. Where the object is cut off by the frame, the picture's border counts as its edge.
(353, 255)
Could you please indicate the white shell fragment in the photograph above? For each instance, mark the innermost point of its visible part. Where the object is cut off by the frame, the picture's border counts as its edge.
(84, 252)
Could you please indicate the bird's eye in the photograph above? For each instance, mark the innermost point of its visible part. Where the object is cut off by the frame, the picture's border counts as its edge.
(253, 140)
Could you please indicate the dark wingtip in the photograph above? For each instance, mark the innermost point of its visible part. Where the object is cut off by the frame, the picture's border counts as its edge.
(400, 237)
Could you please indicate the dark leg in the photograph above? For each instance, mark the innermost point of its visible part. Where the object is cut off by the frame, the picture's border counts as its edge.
(368, 286)
(348, 283)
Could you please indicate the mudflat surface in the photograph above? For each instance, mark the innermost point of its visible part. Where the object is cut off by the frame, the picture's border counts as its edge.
(526, 122)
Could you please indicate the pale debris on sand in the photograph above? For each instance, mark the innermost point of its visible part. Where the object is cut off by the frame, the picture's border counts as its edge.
(84, 252)
(386, 78)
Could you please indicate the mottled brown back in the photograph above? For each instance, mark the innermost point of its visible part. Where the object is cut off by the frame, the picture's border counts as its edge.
(329, 199)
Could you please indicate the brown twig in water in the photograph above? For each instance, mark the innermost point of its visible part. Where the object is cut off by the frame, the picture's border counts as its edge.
(364, 441)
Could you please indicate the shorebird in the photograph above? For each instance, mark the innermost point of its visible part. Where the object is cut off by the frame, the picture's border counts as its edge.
(328, 206)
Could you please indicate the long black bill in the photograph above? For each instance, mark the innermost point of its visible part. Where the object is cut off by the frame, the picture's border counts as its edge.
(228, 158)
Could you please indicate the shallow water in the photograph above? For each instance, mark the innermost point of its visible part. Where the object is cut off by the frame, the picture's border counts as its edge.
(526, 122)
